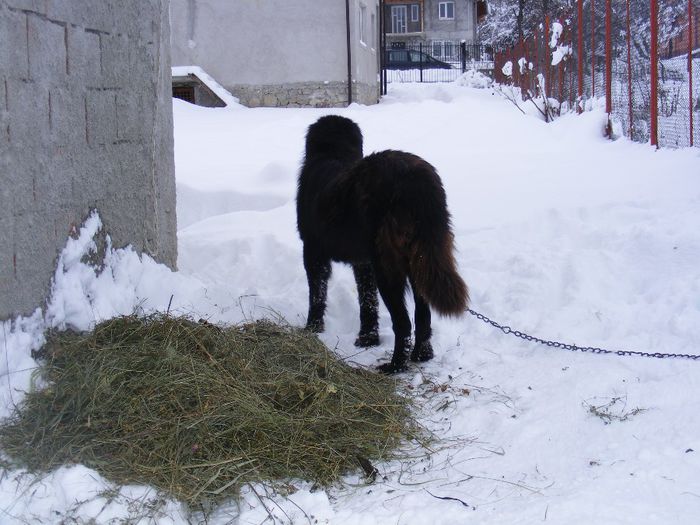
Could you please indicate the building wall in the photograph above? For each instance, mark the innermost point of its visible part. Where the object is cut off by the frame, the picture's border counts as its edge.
(272, 53)
(365, 53)
(85, 122)
(463, 27)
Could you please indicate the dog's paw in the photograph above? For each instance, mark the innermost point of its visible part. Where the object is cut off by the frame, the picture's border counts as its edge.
(367, 339)
(315, 327)
(392, 368)
(422, 352)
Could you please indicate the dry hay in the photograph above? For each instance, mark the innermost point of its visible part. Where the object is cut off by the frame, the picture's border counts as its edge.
(198, 410)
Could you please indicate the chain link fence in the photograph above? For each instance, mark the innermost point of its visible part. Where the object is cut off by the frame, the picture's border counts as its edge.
(641, 57)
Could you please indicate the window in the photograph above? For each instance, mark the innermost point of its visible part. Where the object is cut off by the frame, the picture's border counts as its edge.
(415, 13)
(399, 19)
(361, 24)
(446, 10)
(444, 50)
(185, 93)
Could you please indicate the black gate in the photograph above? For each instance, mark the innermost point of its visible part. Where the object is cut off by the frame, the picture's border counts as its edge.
(438, 61)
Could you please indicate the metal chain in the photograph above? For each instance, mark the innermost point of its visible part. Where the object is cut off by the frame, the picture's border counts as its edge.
(575, 348)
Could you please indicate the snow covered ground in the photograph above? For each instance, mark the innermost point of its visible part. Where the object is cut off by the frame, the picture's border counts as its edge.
(560, 233)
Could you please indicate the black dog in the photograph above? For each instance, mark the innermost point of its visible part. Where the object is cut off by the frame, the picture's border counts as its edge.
(386, 215)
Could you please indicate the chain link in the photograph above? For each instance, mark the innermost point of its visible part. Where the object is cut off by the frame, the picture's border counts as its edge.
(575, 348)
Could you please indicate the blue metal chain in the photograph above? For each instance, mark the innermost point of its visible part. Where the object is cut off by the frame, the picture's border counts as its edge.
(575, 348)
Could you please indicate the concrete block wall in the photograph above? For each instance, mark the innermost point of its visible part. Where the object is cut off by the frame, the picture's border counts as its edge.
(85, 122)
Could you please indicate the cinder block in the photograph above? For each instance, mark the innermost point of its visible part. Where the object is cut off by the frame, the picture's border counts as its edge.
(28, 113)
(150, 13)
(81, 13)
(101, 116)
(68, 121)
(98, 15)
(122, 214)
(27, 178)
(92, 182)
(84, 56)
(36, 6)
(135, 166)
(66, 222)
(134, 18)
(14, 54)
(144, 60)
(35, 253)
(47, 49)
(53, 185)
(132, 114)
(7, 250)
(117, 61)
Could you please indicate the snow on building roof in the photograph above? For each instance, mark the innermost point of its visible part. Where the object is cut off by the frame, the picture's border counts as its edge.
(221, 92)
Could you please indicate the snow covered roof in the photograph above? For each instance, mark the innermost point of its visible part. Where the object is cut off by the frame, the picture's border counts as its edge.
(179, 72)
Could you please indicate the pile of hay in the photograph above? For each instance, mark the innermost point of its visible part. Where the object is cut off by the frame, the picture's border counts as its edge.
(198, 410)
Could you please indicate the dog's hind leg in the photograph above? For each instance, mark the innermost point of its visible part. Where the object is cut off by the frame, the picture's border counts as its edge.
(392, 292)
(422, 350)
(369, 305)
(318, 271)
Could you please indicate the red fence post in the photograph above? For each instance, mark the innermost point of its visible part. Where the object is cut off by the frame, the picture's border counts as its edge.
(530, 72)
(690, 67)
(560, 65)
(537, 68)
(654, 109)
(526, 71)
(592, 48)
(580, 55)
(523, 73)
(608, 57)
(547, 60)
(629, 70)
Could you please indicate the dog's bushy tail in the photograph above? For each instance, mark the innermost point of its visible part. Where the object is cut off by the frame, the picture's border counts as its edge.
(431, 256)
(433, 271)
(415, 235)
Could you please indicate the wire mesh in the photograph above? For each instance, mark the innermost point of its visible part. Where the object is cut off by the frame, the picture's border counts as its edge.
(600, 38)
(678, 79)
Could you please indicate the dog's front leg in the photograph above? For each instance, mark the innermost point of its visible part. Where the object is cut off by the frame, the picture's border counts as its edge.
(318, 271)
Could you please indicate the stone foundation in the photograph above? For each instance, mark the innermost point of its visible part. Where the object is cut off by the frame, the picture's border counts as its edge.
(304, 95)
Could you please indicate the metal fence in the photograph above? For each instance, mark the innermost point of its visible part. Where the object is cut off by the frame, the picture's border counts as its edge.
(434, 61)
(612, 50)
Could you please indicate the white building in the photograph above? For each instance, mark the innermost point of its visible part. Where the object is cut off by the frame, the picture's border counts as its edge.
(280, 53)
(440, 25)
